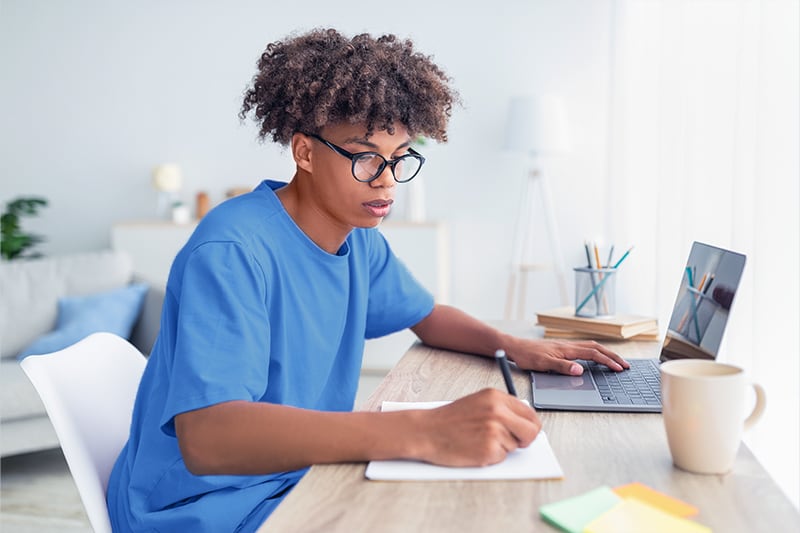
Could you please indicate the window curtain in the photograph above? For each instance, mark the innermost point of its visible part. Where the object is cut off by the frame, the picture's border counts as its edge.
(704, 144)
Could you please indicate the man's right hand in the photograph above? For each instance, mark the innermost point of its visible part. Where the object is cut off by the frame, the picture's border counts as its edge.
(477, 430)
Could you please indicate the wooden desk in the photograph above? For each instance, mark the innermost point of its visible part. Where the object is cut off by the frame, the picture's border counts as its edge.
(594, 449)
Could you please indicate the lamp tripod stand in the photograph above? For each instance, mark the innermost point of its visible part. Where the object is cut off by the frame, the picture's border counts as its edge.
(521, 262)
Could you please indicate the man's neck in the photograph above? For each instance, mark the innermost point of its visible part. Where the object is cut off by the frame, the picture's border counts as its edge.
(313, 221)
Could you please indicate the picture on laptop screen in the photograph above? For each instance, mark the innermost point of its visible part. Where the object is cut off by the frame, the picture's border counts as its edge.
(704, 300)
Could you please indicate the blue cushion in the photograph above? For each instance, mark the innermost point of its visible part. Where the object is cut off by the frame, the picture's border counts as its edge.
(114, 311)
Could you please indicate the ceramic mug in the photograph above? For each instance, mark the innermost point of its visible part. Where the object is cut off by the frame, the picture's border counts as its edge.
(704, 413)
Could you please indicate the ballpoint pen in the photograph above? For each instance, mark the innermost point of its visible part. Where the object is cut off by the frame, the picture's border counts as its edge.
(708, 285)
(500, 355)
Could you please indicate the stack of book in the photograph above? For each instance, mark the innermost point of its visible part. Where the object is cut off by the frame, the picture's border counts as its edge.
(562, 323)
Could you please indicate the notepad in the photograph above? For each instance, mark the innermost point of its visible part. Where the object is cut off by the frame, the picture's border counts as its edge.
(537, 461)
(657, 499)
(572, 514)
(631, 508)
(634, 516)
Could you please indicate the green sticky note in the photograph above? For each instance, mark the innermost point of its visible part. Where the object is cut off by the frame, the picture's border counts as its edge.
(574, 513)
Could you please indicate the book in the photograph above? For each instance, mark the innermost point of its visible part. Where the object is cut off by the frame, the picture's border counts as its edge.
(558, 333)
(537, 461)
(616, 327)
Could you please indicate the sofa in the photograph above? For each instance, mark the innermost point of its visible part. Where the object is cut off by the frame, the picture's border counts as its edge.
(50, 301)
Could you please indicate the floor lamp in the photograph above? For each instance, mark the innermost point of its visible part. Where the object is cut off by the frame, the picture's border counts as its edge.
(537, 127)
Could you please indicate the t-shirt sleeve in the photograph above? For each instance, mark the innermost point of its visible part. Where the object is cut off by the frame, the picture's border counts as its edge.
(396, 299)
(222, 334)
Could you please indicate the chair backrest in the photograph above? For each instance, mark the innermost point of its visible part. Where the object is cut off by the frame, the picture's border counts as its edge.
(88, 390)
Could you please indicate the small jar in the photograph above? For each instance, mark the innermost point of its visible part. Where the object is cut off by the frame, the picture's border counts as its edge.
(203, 204)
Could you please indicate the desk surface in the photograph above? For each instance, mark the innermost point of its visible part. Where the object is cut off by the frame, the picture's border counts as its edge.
(593, 448)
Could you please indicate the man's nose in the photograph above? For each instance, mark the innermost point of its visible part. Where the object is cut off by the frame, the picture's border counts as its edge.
(385, 179)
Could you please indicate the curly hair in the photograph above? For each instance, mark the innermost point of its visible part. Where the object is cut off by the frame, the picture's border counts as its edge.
(321, 77)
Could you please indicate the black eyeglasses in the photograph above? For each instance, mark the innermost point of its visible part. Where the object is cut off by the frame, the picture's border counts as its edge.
(367, 166)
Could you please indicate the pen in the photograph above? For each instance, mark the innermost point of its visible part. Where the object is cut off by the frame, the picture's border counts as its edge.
(588, 254)
(708, 285)
(500, 355)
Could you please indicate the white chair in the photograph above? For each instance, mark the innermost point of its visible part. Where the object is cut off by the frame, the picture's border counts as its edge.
(88, 390)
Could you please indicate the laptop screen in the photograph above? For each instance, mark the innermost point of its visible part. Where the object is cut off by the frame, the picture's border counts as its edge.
(700, 314)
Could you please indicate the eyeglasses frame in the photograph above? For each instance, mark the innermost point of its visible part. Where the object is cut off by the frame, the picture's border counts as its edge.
(390, 162)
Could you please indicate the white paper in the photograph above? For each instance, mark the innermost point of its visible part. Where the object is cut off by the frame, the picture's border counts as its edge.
(537, 461)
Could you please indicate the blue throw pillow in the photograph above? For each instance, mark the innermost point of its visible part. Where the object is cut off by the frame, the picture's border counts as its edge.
(114, 311)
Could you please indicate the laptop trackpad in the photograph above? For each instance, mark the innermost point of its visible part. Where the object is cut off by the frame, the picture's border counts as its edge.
(563, 391)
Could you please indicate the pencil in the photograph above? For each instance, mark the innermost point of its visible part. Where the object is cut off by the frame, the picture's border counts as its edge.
(500, 355)
(690, 274)
(600, 276)
(621, 259)
(597, 258)
(591, 274)
(702, 282)
(690, 282)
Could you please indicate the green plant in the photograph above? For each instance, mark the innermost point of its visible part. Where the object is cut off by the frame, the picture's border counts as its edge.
(13, 241)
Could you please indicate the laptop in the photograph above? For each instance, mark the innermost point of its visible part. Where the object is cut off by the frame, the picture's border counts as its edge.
(708, 285)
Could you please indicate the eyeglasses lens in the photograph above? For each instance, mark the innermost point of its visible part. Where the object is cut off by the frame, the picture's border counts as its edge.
(368, 167)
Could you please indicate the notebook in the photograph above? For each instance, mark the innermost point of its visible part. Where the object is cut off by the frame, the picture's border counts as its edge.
(706, 292)
(537, 461)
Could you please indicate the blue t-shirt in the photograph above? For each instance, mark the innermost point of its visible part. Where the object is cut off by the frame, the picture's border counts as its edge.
(254, 311)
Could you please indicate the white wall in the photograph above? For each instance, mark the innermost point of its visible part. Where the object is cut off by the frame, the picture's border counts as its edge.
(95, 94)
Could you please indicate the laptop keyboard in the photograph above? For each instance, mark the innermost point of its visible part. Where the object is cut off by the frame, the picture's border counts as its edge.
(639, 385)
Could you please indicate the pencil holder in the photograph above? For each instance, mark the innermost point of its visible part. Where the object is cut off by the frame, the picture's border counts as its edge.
(595, 292)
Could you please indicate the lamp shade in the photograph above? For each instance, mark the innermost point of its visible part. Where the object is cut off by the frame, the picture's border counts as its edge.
(537, 125)
(167, 178)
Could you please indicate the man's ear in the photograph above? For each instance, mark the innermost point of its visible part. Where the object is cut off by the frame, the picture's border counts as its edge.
(301, 151)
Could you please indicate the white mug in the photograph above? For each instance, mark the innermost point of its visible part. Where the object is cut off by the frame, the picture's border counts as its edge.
(704, 413)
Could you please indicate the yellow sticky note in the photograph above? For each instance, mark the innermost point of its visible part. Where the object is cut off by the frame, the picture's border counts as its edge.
(656, 499)
(634, 516)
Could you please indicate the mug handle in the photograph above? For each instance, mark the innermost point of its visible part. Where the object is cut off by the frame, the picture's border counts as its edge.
(758, 408)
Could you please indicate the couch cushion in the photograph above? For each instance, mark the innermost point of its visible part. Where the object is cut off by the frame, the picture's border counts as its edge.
(30, 290)
(18, 397)
(113, 311)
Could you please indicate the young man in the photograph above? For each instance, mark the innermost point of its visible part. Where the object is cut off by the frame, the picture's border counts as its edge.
(254, 373)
